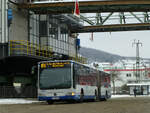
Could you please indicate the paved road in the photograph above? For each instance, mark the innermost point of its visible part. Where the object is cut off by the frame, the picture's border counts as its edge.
(116, 105)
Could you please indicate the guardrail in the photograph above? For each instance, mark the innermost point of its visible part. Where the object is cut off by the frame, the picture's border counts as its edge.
(23, 47)
(80, 59)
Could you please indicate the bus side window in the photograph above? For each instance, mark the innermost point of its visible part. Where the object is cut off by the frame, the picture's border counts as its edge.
(76, 72)
(74, 77)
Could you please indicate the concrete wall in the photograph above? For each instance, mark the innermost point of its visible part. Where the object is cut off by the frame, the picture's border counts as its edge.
(34, 28)
(19, 28)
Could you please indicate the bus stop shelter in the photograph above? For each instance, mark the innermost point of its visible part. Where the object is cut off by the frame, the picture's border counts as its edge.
(141, 88)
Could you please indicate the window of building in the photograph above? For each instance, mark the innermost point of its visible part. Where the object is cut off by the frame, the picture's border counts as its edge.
(34, 29)
(53, 27)
(43, 28)
(128, 75)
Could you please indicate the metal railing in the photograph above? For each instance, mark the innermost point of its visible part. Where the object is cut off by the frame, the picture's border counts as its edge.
(26, 48)
(22, 47)
(80, 59)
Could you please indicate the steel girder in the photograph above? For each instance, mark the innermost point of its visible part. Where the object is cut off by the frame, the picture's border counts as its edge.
(93, 6)
(110, 22)
(112, 28)
(121, 14)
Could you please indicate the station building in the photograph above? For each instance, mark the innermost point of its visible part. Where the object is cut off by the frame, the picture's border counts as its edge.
(27, 38)
(126, 74)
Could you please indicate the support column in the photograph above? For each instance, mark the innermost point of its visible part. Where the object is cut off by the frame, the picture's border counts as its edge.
(4, 26)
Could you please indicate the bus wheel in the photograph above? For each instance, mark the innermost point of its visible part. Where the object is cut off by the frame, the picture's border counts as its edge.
(50, 102)
(81, 95)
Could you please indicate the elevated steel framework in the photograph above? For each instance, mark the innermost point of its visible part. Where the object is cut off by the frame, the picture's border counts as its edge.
(93, 6)
(112, 28)
(110, 15)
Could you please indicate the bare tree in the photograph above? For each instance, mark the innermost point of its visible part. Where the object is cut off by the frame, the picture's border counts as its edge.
(115, 76)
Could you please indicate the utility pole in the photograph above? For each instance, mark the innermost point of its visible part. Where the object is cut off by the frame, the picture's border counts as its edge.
(137, 43)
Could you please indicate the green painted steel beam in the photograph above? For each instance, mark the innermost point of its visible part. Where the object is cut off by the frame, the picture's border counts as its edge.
(136, 17)
(119, 18)
(86, 20)
(107, 18)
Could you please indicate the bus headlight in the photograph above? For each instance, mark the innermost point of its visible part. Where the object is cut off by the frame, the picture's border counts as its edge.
(71, 93)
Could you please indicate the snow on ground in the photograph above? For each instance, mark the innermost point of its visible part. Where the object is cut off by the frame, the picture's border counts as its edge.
(17, 101)
(123, 96)
(120, 96)
(27, 101)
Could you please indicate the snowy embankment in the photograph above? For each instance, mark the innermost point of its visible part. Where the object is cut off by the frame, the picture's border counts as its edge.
(120, 96)
(17, 101)
(130, 96)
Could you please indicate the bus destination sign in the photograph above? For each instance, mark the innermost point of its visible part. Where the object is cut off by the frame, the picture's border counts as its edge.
(53, 64)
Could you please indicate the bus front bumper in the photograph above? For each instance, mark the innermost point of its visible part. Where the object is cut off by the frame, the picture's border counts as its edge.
(57, 98)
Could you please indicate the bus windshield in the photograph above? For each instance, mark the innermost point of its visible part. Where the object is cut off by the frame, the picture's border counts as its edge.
(55, 78)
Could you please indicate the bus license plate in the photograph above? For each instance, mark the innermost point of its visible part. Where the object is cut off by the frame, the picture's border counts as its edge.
(55, 98)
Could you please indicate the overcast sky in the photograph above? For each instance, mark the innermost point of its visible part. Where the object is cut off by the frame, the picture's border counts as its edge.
(119, 43)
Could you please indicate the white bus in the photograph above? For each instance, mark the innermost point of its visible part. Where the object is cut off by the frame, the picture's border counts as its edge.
(63, 80)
